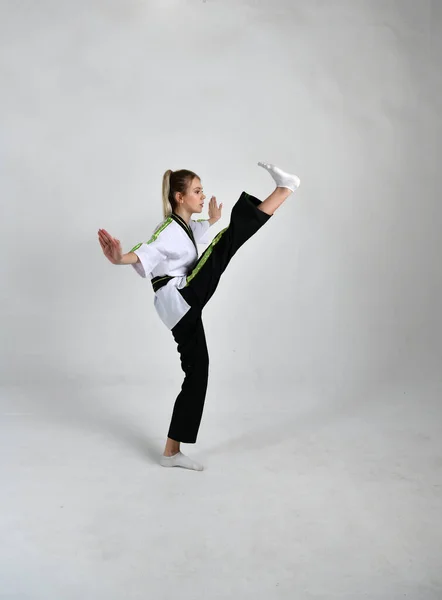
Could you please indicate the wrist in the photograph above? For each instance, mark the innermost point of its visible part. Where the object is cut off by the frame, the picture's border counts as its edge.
(128, 259)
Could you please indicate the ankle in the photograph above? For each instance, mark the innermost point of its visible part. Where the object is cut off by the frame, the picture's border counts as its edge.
(284, 191)
(171, 447)
(170, 452)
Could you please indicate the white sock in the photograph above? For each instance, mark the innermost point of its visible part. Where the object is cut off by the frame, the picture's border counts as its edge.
(282, 178)
(180, 460)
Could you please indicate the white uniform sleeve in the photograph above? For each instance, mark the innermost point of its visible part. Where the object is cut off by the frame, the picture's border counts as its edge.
(200, 230)
(150, 254)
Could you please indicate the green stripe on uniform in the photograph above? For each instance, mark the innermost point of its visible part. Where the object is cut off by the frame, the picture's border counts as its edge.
(167, 222)
(205, 256)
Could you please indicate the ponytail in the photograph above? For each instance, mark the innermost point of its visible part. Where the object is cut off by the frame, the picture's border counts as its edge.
(167, 206)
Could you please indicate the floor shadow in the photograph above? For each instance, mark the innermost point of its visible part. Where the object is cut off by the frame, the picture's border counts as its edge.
(80, 408)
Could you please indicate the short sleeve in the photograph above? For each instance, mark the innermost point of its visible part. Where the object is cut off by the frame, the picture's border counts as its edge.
(150, 253)
(200, 229)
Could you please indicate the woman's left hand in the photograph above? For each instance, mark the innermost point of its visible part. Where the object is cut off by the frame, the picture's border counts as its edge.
(214, 210)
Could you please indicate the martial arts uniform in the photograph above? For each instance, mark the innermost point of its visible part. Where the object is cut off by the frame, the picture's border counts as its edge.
(183, 284)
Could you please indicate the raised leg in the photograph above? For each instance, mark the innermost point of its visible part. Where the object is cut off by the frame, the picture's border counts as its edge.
(274, 201)
(245, 221)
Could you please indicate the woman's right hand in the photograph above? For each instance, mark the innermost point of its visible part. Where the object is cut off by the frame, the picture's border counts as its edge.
(111, 247)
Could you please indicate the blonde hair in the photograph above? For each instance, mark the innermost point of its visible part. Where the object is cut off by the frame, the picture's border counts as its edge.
(174, 182)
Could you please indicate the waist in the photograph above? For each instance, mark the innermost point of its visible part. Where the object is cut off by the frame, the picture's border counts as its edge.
(162, 280)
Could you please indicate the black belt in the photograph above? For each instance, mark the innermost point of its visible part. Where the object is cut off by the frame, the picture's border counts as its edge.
(160, 281)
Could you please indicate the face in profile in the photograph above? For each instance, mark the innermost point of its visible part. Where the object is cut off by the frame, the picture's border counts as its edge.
(194, 197)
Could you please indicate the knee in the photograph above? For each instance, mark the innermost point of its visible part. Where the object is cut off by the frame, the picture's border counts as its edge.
(197, 365)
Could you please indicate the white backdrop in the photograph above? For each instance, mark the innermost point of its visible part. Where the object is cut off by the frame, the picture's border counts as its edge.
(332, 305)
(98, 101)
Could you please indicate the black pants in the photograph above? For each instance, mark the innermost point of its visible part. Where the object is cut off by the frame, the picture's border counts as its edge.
(189, 334)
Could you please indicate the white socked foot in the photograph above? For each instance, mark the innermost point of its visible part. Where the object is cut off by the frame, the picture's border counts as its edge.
(282, 179)
(180, 460)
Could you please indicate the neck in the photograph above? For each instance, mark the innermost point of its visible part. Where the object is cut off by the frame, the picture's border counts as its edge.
(183, 213)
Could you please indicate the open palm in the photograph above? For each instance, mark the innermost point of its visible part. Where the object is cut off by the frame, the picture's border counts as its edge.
(214, 210)
(111, 246)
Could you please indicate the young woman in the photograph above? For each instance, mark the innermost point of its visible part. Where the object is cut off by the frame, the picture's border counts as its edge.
(183, 284)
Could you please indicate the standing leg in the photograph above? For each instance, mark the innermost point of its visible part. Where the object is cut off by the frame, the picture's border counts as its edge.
(188, 409)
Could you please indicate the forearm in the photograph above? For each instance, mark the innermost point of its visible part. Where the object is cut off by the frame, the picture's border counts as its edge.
(128, 259)
(212, 221)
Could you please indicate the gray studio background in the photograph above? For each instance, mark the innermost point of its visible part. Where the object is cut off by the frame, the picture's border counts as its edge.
(321, 432)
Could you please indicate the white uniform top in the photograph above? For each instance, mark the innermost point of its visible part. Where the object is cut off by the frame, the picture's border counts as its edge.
(170, 251)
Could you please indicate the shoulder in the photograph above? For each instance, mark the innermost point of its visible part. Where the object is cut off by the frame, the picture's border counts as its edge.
(160, 230)
(159, 235)
(197, 223)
